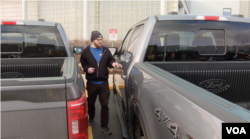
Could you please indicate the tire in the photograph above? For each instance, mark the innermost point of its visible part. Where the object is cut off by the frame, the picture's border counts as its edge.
(137, 130)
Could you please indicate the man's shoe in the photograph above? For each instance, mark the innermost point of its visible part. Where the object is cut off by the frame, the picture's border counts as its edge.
(91, 122)
(106, 130)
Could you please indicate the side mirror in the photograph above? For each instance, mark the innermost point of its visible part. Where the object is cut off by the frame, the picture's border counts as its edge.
(77, 50)
(113, 50)
(129, 55)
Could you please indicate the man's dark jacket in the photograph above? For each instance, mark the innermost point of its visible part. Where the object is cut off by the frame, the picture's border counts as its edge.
(101, 72)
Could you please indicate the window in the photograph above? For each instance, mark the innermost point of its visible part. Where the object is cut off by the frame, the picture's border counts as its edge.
(211, 42)
(134, 41)
(11, 42)
(31, 41)
(226, 12)
(126, 42)
(199, 41)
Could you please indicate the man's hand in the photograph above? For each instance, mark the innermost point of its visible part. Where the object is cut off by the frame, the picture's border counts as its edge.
(91, 70)
(117, 65)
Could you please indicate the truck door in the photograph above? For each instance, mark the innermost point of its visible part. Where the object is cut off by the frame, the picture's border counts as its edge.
(126, 56)
(119, 83)
(130, 86)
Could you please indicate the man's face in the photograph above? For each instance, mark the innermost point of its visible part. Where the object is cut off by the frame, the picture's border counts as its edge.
(98, 42)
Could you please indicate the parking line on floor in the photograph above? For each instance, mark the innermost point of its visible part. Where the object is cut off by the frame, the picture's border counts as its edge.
(90, 133)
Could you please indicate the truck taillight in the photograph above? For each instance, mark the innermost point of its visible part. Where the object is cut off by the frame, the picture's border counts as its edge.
(8, 22)
(211, 18)
(78, 118)
(12, 23)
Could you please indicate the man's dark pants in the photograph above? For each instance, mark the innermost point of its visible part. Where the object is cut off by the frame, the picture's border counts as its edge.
(103, 91)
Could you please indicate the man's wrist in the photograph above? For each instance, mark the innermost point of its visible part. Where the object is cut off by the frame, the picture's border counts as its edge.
(112, 63)
(87, 70)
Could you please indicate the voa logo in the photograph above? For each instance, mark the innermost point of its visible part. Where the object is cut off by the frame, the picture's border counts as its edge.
(236, 130)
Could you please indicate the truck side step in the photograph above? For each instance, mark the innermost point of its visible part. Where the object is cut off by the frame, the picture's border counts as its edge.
(124, 128)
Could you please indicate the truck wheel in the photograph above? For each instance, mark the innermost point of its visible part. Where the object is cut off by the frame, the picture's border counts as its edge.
(137, 130)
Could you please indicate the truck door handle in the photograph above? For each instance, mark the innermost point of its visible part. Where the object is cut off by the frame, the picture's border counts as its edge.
(132, 89)
(124, 77)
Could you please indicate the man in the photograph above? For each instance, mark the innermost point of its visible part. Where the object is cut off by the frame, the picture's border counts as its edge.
(95, 59)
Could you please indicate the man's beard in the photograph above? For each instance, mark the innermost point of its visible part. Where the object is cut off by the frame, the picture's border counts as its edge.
(98, 45)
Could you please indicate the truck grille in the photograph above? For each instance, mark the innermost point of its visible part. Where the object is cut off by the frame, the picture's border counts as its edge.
(30, 71)
(232, 85)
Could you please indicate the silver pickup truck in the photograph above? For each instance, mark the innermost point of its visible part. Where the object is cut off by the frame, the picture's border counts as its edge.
(42, 90)
(183, 76)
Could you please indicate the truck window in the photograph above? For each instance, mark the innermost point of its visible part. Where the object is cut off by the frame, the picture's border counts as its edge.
(126, 42)
(31, 41)
(11, 42)
(210, 42)
(134, 41)
(199, 41)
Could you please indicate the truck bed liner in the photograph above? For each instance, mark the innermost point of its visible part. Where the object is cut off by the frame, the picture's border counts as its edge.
(232, 76)
(30, 70)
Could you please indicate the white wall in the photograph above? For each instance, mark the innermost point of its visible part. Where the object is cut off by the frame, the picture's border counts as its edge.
(244, 8)
(213, 7)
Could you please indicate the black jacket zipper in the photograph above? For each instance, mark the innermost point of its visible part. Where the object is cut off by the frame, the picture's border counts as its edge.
(99, 62)
(92, 54)
(96, 61)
